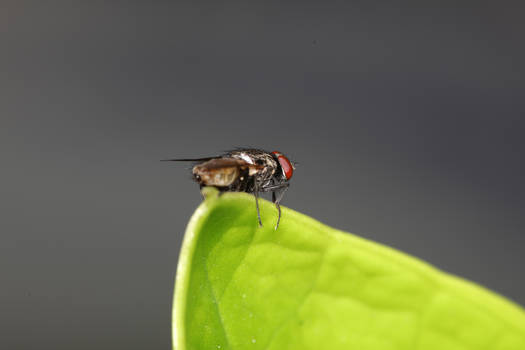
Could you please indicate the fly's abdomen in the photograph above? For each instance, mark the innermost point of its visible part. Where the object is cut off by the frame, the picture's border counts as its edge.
(217, 172)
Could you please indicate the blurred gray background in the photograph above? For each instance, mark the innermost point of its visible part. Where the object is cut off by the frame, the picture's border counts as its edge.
(407, 120)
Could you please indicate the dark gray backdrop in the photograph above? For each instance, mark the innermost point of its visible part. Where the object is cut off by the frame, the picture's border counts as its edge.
(406, 119)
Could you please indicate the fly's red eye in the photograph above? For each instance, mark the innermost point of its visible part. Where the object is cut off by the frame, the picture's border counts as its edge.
(286, 165)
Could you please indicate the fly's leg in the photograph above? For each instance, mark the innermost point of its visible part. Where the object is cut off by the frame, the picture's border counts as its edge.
(276, 199)
(277, 187)
(277, 195)
(256, 193)
(278, 209)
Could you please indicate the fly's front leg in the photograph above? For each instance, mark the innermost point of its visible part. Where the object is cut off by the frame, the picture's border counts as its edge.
(274, 200)
(256, 194)
(277, 195)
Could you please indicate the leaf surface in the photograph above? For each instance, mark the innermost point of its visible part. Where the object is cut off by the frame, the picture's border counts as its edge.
(309, 286)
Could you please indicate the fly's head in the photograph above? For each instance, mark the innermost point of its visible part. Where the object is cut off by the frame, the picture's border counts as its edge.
(285, 167)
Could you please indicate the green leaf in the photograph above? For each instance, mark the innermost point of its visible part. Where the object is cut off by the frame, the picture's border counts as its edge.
(309, 286)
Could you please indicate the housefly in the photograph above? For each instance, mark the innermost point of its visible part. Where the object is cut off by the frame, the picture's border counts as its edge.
(245, 170)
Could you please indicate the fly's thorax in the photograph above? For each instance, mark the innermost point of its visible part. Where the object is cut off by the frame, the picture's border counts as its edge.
(263, 164)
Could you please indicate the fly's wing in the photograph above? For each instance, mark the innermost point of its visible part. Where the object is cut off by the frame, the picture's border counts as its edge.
(193, 161)
(216, 164)
(225, 165)
(220, 172)
(188, 159)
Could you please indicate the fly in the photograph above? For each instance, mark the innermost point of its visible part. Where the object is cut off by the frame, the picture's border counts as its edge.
(245, 170)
